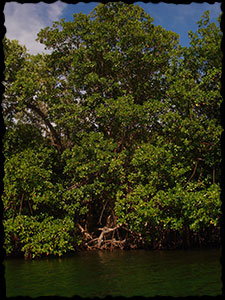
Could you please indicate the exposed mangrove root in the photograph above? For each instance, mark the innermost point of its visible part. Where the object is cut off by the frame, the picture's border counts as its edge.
(85, 233)
(120, 237)
(106, 240)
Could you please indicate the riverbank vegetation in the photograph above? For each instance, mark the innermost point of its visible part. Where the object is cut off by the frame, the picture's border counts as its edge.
(112, 137)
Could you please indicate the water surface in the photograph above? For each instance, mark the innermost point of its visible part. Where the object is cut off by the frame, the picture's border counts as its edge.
(118, 273)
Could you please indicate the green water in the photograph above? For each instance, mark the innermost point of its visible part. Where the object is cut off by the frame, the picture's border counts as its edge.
(118, 273)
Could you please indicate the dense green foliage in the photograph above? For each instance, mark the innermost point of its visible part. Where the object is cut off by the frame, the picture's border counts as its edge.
(119, 126)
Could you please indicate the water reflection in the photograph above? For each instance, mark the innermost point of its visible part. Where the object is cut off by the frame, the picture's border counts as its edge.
(124, 273)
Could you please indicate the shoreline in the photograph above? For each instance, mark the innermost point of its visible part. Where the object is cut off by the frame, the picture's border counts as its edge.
(85, 251)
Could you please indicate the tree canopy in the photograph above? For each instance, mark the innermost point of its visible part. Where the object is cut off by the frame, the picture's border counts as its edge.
(113, 138)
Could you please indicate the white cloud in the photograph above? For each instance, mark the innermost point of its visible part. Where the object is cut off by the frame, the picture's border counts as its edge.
(24, 21)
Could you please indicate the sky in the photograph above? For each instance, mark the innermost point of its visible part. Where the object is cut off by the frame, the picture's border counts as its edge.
(24, 21)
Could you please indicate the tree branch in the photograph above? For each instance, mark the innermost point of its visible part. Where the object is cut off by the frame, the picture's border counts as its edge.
(44, 117)
(100, 219)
